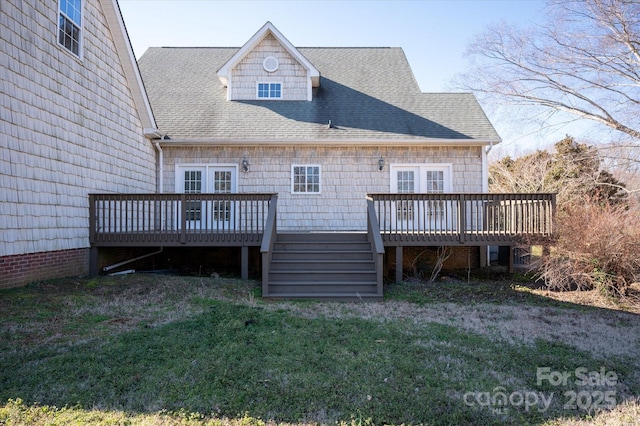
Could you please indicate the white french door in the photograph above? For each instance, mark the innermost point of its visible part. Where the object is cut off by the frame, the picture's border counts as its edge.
(411, 214)
(222, 182)
(211, 179)
(407, 181)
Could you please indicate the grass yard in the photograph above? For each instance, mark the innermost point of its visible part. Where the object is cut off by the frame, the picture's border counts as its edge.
(167, 350)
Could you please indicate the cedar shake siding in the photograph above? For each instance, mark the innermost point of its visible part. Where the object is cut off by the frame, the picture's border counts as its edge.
(69, 126)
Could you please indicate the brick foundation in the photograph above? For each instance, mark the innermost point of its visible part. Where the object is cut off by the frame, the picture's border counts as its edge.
(21, 269)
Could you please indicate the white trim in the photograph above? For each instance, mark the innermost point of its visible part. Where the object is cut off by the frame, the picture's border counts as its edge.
(485, 172)
(319, 179)
(130, 66)
(160, 168)
(325, 142)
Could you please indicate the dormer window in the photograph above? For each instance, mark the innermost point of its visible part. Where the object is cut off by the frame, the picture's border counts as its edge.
(269, 90)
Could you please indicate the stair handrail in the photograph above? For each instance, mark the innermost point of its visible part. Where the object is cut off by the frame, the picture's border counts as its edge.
(268, 238)
(373, 232)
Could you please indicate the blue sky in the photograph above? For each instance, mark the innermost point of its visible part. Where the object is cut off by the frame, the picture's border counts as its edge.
(433, 33)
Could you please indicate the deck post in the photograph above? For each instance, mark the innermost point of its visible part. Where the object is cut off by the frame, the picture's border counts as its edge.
(399, 262)
(244, 263)
(93, 261)
(183, 218)
(511, 263)
(462, 219)
(483, 256)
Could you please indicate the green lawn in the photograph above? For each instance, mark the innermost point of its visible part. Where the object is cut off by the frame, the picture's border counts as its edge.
(150, 349)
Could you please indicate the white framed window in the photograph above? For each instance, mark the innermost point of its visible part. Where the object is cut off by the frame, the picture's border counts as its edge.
(70, 25)
(269, 91)
(305, 179)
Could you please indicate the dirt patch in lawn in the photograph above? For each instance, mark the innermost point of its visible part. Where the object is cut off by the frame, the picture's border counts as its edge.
(598, 332)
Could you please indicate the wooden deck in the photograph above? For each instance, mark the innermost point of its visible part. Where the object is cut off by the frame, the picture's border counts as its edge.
(245, 220)
(171, 220)
(467, 219)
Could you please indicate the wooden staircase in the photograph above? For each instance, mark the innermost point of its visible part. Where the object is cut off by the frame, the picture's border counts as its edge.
(323, 266)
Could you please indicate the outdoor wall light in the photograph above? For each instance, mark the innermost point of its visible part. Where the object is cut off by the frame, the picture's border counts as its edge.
(381, 164)
(245, 164)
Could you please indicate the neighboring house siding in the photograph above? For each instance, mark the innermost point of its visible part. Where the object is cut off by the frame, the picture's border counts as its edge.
(250, 71)
(68, 128)
(347, 175)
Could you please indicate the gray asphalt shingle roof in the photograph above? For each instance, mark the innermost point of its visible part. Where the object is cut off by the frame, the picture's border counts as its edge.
(367, 93)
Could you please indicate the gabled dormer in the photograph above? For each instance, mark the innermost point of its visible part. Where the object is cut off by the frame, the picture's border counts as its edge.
(269, 67)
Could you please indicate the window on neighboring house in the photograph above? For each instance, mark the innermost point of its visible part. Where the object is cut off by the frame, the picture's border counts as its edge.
(70, 25)
(270, 90)
(305, 179)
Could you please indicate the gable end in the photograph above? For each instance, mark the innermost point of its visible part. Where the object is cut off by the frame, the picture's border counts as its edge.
(268, 57)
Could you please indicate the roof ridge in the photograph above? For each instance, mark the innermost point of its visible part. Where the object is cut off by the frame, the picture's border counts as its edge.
(297, 47)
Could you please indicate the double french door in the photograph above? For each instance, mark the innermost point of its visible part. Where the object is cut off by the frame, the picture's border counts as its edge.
(420, 215)
(208, 214)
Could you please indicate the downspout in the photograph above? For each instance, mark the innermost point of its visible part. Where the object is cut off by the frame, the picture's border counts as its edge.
(110, 267)
(160, 169)
(485, 186)
(485, 168)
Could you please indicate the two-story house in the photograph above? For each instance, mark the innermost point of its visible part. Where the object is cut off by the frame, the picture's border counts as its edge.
(325, 164)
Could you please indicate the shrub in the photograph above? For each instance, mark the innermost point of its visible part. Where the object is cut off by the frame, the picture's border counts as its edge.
(598, 247)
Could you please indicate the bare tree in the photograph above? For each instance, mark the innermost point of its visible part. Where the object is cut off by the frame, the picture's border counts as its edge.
(585, 61)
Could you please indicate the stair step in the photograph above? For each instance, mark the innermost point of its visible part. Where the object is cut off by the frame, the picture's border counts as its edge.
(322, 276)
(322, 257)
(339, 297)
(324, 288)
(320, 246)
(327, 266)
(324, 254)
(317, 237)
(315, 266)
(325, 283)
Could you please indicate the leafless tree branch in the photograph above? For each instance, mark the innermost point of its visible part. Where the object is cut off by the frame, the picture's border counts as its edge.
(585, 61)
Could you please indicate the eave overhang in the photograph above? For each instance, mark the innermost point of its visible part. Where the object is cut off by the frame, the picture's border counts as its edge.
(323, 142)
(130, 67)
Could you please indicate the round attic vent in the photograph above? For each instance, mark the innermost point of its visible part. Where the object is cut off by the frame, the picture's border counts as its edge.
(270, 64)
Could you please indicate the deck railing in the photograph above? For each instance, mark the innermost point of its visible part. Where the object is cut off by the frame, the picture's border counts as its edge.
(268, 240)
(463, 218)
(177, 219)
(373, 233)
